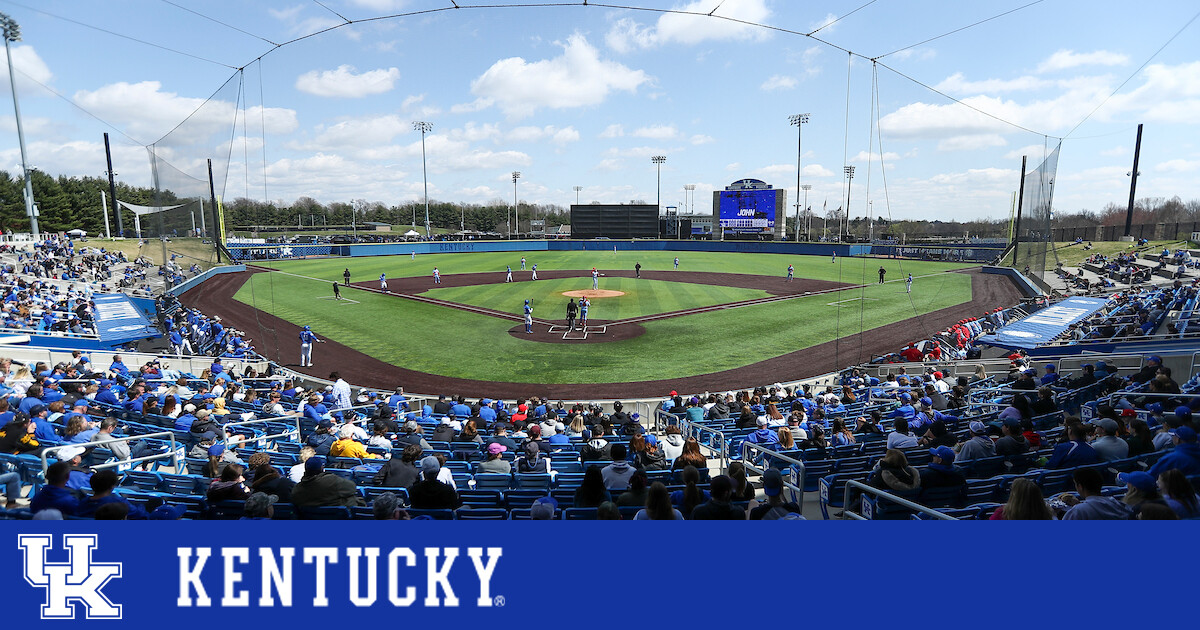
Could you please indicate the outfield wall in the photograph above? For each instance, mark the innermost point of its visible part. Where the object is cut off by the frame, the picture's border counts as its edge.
(965, 252)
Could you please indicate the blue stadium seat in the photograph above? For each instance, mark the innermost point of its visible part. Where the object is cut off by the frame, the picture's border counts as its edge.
(529, 480)
(481, 514)
(323, 513)
(437, 515)
(579, 514)
(499, 481)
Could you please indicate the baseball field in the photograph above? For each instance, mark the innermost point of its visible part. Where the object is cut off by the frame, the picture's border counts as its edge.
(718, 321)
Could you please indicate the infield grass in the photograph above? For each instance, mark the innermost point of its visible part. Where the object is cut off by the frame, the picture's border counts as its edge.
(455, 343)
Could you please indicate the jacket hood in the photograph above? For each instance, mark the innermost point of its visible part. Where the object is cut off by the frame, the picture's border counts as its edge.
(674, 439)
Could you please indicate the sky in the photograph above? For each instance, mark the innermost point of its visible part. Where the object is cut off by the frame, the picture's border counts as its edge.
(585, 95)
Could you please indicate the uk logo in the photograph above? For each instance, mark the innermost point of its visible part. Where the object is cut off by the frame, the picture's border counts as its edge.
(76, 581)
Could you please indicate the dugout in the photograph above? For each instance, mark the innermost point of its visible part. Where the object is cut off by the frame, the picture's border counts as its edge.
(615, 221)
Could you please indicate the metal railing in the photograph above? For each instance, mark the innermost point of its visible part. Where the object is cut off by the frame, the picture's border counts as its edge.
(264, 439)
(173, 453)
(709, 438)
(795, 482)
(882, 494)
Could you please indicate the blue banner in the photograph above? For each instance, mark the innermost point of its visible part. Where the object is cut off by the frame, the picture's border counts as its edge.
(506, 574)
(1045, 324)
(119, 320)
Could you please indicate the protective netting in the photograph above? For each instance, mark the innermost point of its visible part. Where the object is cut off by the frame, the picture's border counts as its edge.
(179, 163)
(1037, 217)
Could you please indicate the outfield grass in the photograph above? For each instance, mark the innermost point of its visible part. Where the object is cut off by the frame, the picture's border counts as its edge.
(456, 343)
(642, 297)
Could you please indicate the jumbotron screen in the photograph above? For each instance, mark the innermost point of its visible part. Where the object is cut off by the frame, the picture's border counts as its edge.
(748, 210)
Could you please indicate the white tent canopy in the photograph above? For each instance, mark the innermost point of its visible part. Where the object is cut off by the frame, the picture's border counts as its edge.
(139, 211)
(412, 233)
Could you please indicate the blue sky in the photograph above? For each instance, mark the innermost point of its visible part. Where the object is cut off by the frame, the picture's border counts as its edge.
(584, 96)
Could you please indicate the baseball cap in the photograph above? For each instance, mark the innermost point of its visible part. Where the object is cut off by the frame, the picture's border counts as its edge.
(978, 427)
(1155, 358)
(651, 440)
(905, 397)
(674, 393)
(325, 425)
(1183, 412)
(495, 448)
(168, 512)
(1128, 413)
(937, 375)
(430, 464)
(927, 401)
(69, 453)
(1108, 424)
(314, 463)
(1141, 480)
(762, 421)
(36, 409)
(944, 452)
(543, 508)
(772, 482)
(1012, 423)
(1185, 434)
(1154, 407)
(104, 382)
(217, 450)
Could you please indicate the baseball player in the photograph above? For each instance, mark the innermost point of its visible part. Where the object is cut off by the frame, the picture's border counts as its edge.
(383, 283)
(437, 277)
(337, 293)
(791, 273)
(307, 339)
(595, 278)
(834, 257)
(534, 269)
(908, 284)
(677, 262)
(528, 317)
(637, 270)
(522, 263)
(508, 278)
(572, 310)
(584, 303)
(414, 254)
(346, 276)
(882, 271)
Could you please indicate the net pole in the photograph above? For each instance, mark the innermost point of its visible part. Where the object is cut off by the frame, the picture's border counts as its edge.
(1020, 201)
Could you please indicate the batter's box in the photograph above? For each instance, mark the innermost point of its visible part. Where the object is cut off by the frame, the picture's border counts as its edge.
(577, 334)
(559, 329)
(596, 330)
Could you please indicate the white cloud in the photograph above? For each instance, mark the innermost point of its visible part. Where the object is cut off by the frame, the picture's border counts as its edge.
(956, 84)
(1169, 94)
(539, 134)
(1067, 59)
(816, 170)
(627, 34)
(972, 142)
(380, 5)
(145, 112)
(656, 132)
(700, 139)
(1177, 166)
(577, 78)
(1035, 152)
(733, 167)
(350, 134)
(28, 66)
(613, 131)
(344, 82)
(826, 25)
(1115, 152)
(778, 82)
(609, 165)
(476, 105)
(873, 157)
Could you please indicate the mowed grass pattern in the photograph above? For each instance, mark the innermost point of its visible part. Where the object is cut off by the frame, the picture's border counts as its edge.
(456, 343)
(642, 297)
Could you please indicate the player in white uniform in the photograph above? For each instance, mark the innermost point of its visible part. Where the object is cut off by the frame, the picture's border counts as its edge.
(534, 269)
(508, 278)
(414, 254)
(595, 278)
(908, 284)
(791, 273)
(383, 283)
(307, 339)
(437, 277)
(528, 317)
(522, 263)
(677, 262)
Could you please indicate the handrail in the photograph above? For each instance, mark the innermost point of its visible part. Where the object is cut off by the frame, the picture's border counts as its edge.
(277, 420)
(865, 489)
(719, 443)
(796, 464)
(172, 453)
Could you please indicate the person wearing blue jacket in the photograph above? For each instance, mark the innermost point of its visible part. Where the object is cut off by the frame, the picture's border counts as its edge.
(45, 429)
(105, 393)
(102, 484)
(1185, 457)
(905, 410)
(1076, 452)
(307, 339)
(54, 494)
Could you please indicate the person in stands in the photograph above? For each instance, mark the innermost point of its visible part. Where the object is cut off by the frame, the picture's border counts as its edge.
(719, 507)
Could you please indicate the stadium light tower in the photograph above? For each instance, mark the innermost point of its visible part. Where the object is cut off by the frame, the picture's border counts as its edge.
(516, 220)
(577, 189)
(658, 161)
(424, 128)
(690, 193)
(12, 33)
(798, 121)
(806, 188)
(849, 170)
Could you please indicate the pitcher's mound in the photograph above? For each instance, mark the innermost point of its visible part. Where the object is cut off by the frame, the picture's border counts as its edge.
(593, 293)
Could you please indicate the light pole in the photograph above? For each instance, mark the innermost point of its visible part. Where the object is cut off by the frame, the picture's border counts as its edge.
(871, 219)
(805, 188)
(689, 192)
(516, 219)
(849, 170)
(12, 33)
(577, 189)
(424, 128)
(798, 121)
(658, 161)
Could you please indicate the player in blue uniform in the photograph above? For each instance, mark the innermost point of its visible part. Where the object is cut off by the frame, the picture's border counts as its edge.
(908, 284)
(677, 262)
(528, 317)
(383, 283)
(307, 339)
(534, 270)
(508, 278)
